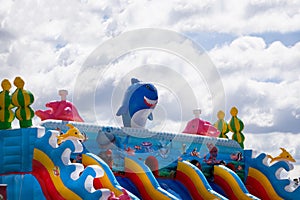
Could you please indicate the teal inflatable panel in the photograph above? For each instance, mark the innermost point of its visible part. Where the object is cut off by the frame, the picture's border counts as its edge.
(22, 186)
(16, 149)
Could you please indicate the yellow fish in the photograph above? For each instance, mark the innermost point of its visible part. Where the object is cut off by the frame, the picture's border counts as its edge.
(72, 133)
(284, 155)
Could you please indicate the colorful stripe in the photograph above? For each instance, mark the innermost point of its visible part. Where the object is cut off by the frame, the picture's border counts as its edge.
(22, 99)
(260, 185)
(236, 126)
(239, 137)
(222, 126)
(45, 161)
(6, 115)
(139, 184)
(147, 186)
(107, 180)
(231, 184)
(41, 174)
(24, 113)
(2, 110)
(195, 182)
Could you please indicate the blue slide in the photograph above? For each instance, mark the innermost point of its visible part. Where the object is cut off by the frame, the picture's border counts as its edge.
(175, 187)
(128, 184)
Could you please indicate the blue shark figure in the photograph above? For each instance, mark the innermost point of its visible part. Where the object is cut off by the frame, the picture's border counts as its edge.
(139, 101)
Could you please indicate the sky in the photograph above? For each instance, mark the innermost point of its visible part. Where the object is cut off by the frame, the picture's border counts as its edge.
(251, 47)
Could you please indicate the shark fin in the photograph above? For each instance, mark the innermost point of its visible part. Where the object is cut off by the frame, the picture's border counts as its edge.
(134, 80)
(122, 110)
(150, 117)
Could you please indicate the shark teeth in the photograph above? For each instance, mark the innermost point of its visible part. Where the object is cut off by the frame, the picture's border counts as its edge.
(149, 102)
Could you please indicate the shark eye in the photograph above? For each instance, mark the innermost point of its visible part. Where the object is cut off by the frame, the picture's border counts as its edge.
(149, 87)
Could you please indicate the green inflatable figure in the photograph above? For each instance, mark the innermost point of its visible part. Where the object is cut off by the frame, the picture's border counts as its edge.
(236, 126)
(6, 114)
(221, 125)
(22, 99)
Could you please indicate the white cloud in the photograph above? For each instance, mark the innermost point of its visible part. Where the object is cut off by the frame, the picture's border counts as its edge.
(242, 17)
(47, 43)
(262, 80)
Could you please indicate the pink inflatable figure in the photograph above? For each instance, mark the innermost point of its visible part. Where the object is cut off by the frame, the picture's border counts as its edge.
(60, 110)
(200, 127)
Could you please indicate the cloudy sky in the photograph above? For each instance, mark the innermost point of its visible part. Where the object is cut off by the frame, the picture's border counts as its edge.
(253, 45)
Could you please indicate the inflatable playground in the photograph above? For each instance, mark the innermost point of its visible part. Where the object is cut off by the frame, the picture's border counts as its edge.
(65, 158)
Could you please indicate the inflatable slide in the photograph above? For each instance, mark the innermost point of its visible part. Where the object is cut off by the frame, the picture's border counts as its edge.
(264, 179)
(108, 180)
(175, 187)
(35, 166)
(231, 183)
(195, 181)
(58, 177)
(146, 183)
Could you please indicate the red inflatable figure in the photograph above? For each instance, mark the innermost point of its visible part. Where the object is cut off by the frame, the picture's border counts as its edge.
(200, 127)
(60, 110)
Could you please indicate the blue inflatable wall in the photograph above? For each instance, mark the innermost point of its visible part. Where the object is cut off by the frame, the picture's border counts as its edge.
(16, 152)
(16, 149)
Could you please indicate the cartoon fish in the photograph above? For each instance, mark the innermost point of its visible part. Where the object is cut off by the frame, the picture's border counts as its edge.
(72, 133)
(130, 151)
(139, 101)
(236, 156)
(137, 147)
(284, 155)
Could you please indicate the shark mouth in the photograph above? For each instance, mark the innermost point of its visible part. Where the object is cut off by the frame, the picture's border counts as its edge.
(150, 103)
